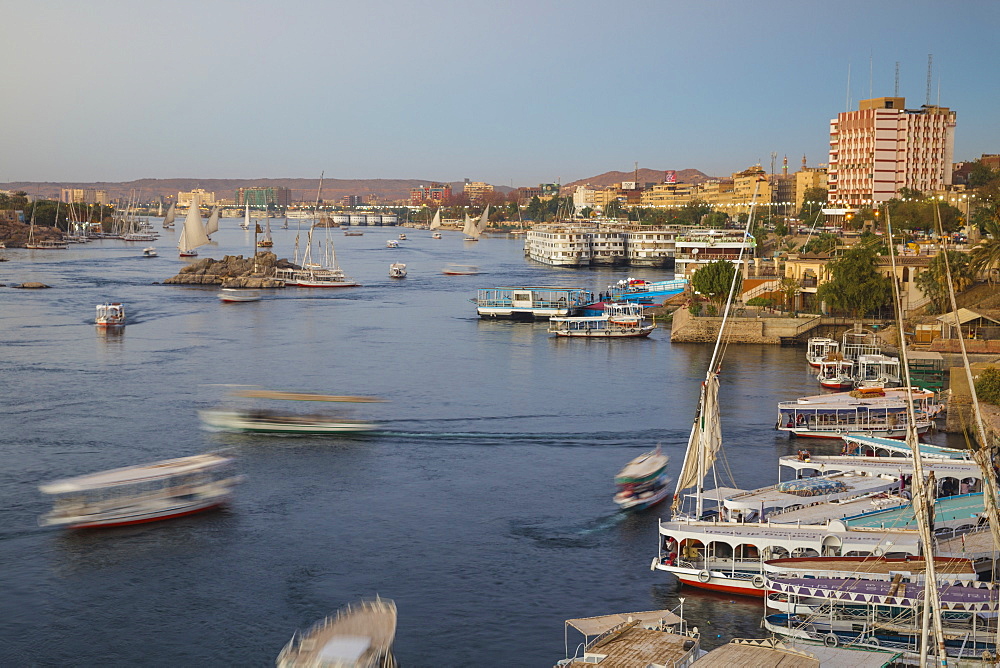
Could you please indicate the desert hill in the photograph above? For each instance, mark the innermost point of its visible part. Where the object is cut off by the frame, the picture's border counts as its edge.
(645, 176)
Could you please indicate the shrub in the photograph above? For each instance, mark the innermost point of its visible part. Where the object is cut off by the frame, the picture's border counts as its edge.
(763, 302)
(695, 308)
(988, 385)
(712, 310)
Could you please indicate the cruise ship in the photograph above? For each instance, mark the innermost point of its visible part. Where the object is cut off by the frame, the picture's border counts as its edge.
(585, 243)
(699, 247)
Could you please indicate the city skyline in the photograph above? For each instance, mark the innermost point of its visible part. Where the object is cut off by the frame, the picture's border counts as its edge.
(518, 94)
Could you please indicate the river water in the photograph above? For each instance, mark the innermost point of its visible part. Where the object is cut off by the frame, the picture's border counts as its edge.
(482, 506)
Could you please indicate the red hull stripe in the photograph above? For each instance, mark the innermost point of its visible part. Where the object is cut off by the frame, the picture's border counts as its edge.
(146, 519)
(729, 589)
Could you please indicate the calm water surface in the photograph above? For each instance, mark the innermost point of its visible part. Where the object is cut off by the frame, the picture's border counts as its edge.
(483, 506)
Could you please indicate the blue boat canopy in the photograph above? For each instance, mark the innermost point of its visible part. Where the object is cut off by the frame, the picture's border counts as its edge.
(811, 486)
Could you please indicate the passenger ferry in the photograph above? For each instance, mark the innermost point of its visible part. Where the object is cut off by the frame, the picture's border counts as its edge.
(139, 494)
(872, 412)
(624, 320)
(531, 302)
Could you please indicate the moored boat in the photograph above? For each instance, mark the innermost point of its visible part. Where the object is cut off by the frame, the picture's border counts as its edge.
(836, 373)
(820, 348)
(643, 482)
(138, 494)
(871, 411)
(620, 320)
(650, 638)
(530, 302)
(110, 315)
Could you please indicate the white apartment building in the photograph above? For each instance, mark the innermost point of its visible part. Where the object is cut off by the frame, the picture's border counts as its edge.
(204, 198)
(883, 147)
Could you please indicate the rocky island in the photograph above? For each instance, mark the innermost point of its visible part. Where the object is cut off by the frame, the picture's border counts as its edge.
(234, 271)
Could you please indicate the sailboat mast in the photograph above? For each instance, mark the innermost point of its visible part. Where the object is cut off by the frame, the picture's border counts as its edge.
(923, 498)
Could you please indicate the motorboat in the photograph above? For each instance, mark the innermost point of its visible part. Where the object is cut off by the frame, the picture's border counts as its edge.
(402, 236)
(620, 320)
(357, 636)
(436, 235)
(643, 482)
(820, 348)
(110, 315)
(460, 270)
(236, 295)
(836, 373)
(149, 252)
(392, 243)
(397, 270)
(144, 493)
(270, 421)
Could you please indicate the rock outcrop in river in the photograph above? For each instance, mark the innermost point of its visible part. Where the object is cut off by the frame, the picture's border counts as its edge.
(233, 271)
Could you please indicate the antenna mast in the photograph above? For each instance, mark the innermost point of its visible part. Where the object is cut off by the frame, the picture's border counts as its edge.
(930, 65)
(896, 90)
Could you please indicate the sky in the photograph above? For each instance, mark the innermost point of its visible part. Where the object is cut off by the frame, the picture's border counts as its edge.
(516, 93)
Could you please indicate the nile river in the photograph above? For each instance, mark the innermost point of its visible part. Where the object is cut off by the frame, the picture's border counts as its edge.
(482, 506)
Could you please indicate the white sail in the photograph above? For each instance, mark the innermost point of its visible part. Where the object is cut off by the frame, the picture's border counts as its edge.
(193, 234)
(246, 217)
(436, 222)
(171, 215)
(267, 230)
(484, 221)
(704, 442)
(212, 226)
(470, 229)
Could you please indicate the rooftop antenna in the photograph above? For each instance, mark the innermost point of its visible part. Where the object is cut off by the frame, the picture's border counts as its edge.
(870, 74)
(930, 65)
(848, 106)
(895, 92)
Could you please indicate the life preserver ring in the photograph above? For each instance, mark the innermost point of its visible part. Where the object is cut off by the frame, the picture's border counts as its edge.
(831, 640)
(758, 581)
(872, 641)
(632, 330)
(704, 576)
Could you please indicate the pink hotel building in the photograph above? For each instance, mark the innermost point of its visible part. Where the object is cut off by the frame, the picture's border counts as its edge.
(883, 147)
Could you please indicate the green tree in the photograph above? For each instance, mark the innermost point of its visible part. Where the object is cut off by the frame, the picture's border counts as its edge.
(715, 219)
(825, 242)
(790, 288)
(813, 199)
(980, 175)
(856, 287)
(713, 280)
(934, 281)
(613, 209)
(985, 255)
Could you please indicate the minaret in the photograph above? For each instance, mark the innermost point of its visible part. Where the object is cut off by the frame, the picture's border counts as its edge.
(784, 167)
(803, 162)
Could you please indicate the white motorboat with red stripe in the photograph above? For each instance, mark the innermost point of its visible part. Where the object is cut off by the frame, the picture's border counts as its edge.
(139, 494)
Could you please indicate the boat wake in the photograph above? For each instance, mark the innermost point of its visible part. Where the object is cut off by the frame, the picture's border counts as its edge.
(559, 535)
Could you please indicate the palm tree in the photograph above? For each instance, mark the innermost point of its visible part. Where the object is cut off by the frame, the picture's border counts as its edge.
(934, 283)
(985, 256)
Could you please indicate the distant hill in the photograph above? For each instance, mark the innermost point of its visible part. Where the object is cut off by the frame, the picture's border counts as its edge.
(645, 176)
(303, 190)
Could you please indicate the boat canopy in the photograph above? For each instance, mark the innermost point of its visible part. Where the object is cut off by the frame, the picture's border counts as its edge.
(953, 596)
(302, 396)
(811, 486)
(592, 626)
(926, 449)
(136, 475)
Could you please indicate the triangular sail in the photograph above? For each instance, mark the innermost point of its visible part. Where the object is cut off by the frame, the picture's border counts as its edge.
(436, 222)
(193, 234)
(484, 221)
(246, 216)
(468, 228)
(267, 229)
(212, 226)
(704, 442)
(171, 215)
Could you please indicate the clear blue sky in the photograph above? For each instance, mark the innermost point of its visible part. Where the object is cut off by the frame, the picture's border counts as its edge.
(517, 92)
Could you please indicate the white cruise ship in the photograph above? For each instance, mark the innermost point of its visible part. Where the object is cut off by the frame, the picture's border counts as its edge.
(698, 247)
(585, 243)
(559, 245)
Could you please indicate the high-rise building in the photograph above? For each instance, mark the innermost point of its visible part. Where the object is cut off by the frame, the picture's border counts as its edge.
(351, 200)
(435, 193)
(883, 147)
(261, 196)
(475, 190)
(83, 196)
